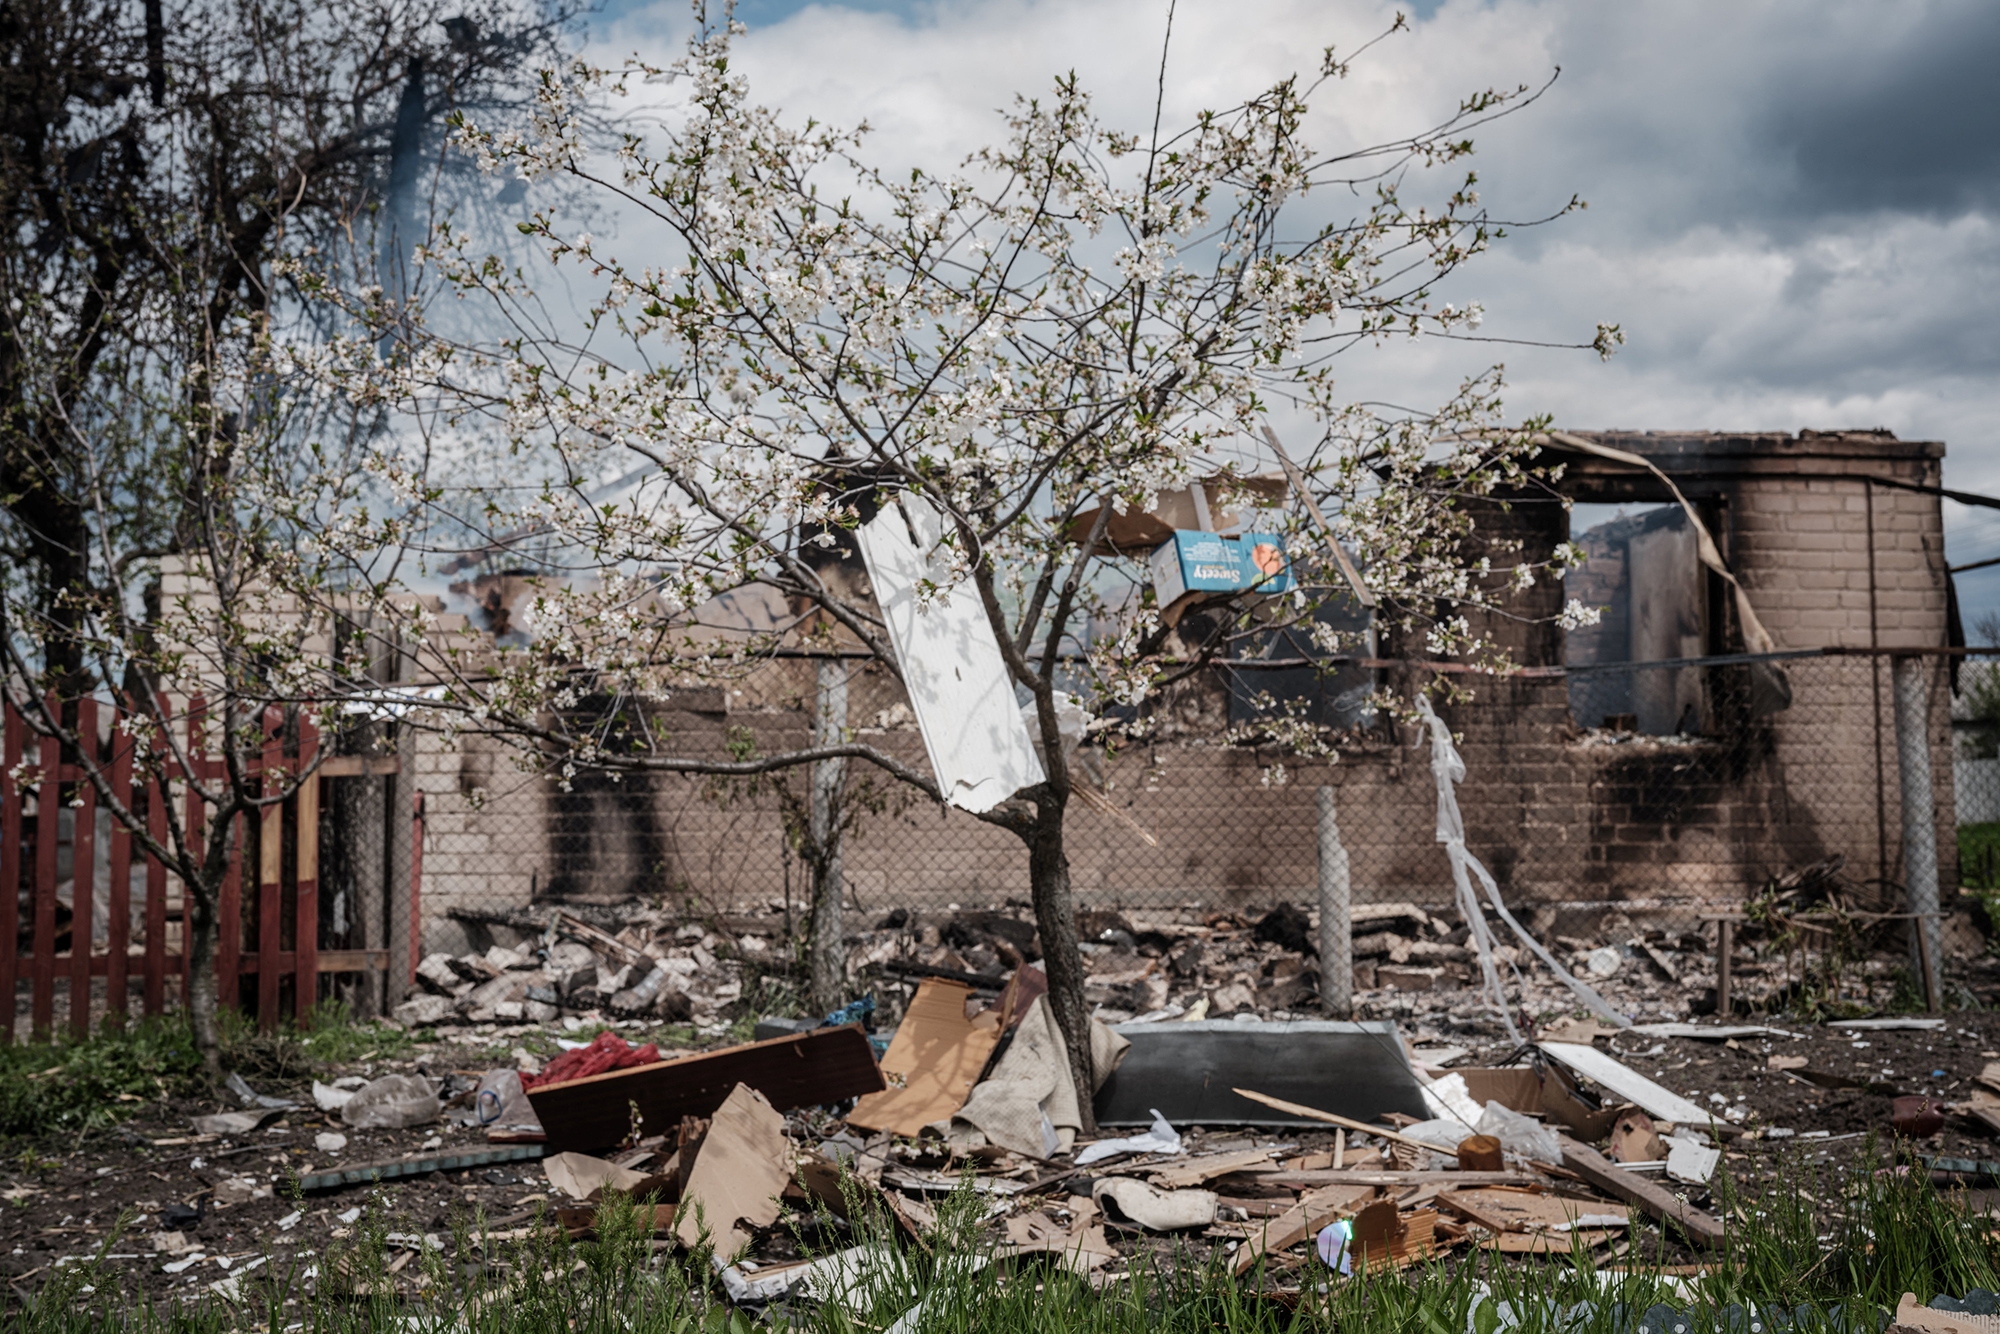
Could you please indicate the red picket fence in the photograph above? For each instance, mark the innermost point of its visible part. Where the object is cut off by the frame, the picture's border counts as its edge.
(269, 934)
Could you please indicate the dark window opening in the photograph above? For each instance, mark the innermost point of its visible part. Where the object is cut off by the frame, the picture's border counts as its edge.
(1643, 574)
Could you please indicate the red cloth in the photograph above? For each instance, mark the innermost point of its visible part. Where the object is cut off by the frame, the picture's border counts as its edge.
(608, 1052)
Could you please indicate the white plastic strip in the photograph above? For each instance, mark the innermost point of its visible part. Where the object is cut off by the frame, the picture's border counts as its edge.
(1449, 770)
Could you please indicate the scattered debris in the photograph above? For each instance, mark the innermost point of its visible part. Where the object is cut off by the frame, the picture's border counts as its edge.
(236, 1123)
(1161, 1139)
(1596, 1170)
(1634, 1140)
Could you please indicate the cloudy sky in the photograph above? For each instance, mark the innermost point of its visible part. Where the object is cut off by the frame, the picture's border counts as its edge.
(1794, 207)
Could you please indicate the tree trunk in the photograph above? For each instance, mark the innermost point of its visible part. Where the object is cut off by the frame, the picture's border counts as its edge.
(1055, 918)
(826, 946)
(199, 944)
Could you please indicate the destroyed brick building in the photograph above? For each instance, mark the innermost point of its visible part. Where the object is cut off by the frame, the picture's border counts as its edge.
(1596, 783)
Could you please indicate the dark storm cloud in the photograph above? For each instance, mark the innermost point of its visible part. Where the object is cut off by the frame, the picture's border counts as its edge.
(1909, 126)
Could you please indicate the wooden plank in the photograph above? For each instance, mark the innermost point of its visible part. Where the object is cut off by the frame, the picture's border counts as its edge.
(1194, 1171)
(157, 796)
(798, 1070)
(1601, 1172)
(83, 875)
(270, 876)
(305, 874)
(356, 766)
(14, 729)
(118, 931)
(1547, 1243)
(1313, 1113)
(1330, 1176)
(48, 825)
(1628, 1084)
(325, 961)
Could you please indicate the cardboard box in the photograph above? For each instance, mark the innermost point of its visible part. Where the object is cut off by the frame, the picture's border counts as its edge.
(1197, 565)
(1138, 531)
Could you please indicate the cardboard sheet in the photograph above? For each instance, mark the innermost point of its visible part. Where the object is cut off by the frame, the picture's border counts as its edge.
(1081, 1246)
(932, 1063)
(742, 1168)
(584, 1178)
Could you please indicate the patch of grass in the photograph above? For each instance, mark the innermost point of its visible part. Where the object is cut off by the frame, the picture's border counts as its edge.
(94, 1083)
(1979, 856)
(287, 1053)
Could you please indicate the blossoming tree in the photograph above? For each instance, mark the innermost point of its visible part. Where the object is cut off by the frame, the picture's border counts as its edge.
(1075, 316)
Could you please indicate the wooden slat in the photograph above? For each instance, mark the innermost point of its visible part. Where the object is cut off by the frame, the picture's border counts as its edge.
(355, 766)
(83, 875)
(118, 931)
(270, 875)
(157, 796)
(1655, 1199)
(14, 728)
(48, 825)
(326, 961)
(305, 919)
(1332, 1176)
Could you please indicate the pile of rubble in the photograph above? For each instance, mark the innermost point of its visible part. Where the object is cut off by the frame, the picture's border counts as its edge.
(1410, 963)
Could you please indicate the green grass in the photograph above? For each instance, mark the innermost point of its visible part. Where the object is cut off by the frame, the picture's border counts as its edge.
(66, 1085)
(81, 1086)
(1979, 856)
(288, 1052)
(1892, 1233)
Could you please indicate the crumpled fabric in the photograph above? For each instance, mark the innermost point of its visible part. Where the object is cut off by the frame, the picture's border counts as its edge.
(608, 1052)
(1028, 1105)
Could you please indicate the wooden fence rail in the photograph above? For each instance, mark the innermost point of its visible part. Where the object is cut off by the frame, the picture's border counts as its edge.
(269, 935)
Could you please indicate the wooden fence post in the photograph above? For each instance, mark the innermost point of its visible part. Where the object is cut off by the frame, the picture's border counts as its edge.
(305, 919)
(83, 872)
(12, 727)
(48, 829)
(118, 930)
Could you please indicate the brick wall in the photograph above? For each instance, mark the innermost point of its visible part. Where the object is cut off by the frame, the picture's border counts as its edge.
(1561, 816)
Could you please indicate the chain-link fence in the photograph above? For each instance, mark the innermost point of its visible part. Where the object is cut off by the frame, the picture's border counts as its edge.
(1652, 808)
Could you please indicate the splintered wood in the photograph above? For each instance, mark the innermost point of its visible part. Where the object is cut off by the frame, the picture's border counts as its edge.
(1303, 1220)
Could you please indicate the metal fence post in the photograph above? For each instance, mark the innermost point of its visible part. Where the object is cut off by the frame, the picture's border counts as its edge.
(1336, 925)
(1920, 860)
